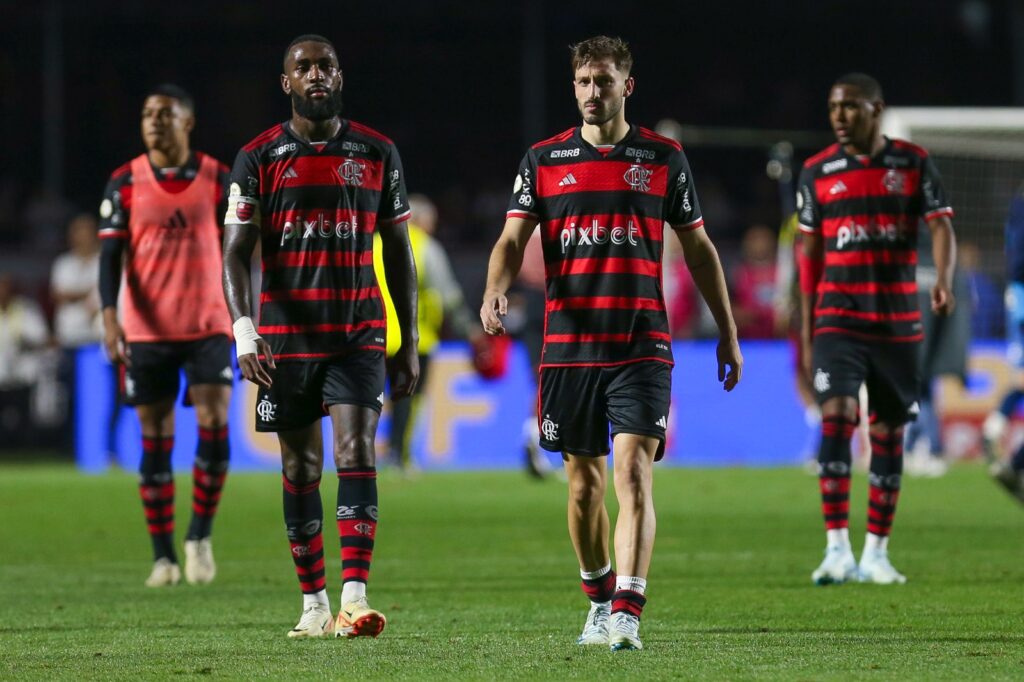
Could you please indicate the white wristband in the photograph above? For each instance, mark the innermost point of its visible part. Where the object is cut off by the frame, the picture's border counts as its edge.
(245, 337)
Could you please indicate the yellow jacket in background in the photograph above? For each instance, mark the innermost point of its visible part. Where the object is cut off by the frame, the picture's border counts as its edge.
(431, 305)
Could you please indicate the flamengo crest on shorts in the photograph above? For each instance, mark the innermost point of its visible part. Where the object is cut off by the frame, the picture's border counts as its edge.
(868, 211)
(602, 222)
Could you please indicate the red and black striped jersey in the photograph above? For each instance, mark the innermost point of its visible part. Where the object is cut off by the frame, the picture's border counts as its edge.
(317, 208)
(867, 210)
(116, 206)
(602, 215)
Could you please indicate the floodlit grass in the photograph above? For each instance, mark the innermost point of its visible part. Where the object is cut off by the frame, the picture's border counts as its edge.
(478, 580)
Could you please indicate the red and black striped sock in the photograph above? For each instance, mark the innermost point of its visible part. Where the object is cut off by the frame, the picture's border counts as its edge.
(884, 481)
(156, 488)
(208, 474)
(357, 521)
(628, 601)
(599, 589)
(834, 470)
(303, 519)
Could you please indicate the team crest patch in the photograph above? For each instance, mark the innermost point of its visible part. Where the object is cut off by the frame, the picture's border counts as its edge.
(351, 171)
(244, 210)
(821, 381)
(638, 178)
(894, 181)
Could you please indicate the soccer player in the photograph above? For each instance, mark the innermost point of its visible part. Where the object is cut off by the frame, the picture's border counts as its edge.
(314, 190)
(859, 202)
(161, 214)
(602, 193)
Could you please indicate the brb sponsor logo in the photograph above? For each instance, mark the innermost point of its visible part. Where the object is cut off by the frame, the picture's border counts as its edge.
(873, 232)
(596, 234)
(565, 153)
(319, 227)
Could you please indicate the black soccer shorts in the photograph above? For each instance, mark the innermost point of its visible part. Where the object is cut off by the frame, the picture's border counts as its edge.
(579, 404)
(156, 367)
(302, 391)
(841, 363)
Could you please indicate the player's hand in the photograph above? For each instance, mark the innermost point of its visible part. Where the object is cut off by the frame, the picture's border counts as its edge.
(943, 300)
(730, 363)
(115, 344)
(494, 308)
(254, 370)
(405, 371)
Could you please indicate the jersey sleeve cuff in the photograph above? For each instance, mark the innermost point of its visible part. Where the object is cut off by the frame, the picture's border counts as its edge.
(807, 228)
(521, 214)
(686, 227)
(939, 212)
(113, 234)
(401, 218)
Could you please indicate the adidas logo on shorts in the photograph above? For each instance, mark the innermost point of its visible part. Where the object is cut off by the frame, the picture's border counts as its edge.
(663, 423)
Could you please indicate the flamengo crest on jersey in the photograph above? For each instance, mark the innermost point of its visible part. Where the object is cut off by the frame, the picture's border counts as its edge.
(868, 212)
(317, 211)
(602, 222)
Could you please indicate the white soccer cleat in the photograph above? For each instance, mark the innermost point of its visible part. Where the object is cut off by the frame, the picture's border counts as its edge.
(624, 632)
(200, 568)
(165, 572)
(358, 619)
(316, 622)
(595, 630)
(992, 430)
(838, 567)
(875, 568)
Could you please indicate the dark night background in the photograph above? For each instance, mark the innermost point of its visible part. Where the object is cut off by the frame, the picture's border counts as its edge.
(464, 87)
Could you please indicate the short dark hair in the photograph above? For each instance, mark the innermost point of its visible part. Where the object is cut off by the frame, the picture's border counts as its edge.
(174, 92)
(868, 85)
(602, 47)
(307, 38)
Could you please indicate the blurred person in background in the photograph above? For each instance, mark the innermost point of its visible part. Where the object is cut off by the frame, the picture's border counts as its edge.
(74, 286)
(943, 353)
(753, 284)
(23, 335)
(986, 300)
(441, 304)
(859, 202)
(162, 219)
(74, 290)
(1009, 473)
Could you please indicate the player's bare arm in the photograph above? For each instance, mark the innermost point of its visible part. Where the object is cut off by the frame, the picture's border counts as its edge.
(706, 268)
(400, 271)
(506, 260)
(239, 243)
(944, 253)
(812, 246)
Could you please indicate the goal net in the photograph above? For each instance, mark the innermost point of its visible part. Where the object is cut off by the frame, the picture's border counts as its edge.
(980, 154)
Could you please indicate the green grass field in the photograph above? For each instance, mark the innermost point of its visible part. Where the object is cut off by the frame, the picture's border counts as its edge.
(478, 580)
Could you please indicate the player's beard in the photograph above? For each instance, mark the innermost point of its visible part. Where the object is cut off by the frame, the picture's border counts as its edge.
(315, 110)
(596, 118)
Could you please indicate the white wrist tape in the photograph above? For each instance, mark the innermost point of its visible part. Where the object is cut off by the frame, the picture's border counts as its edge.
(245, 336)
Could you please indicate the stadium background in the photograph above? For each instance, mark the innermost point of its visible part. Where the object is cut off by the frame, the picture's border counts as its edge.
(463, 89)
(473, 567)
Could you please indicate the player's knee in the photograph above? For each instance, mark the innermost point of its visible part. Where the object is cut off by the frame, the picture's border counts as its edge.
(212, 416)
(354, 450)
(302, 470)
(584, 491)
(845, 407)
(632, 476)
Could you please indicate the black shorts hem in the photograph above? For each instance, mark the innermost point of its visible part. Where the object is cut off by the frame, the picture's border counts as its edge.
(358, 403)
(630, 431)
(277, 428)
(584, 452)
